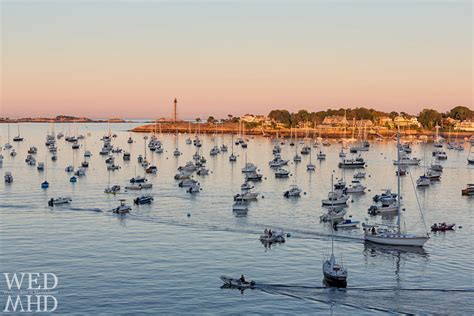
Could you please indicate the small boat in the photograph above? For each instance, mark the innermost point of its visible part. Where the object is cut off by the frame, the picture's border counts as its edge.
(122, 208)
(176, 152)
(194, 188)
(356, 187)
(333, 214)
(237, 283)
(297, 158)
(270, 236)
(138, 179)
(186, 183)
(81, 171)
(310, 167)
(59, 201)
(232, 158)
(214, 151)
(249, 167)
(254, 176)
(359, 175)
(423, 181)
(352, 163)
(13, 153)
(334, 273)
(33, 150)
(113, 189)
(442, 227)
(40, 166)
(73, 179)
(69, 169)
(240, 207)
(130, 140)
(402, 171)
(202, 171)
(126, 156)
(145, 199)
(139, 186)
(8, 177)
(282, 173)
(294, 191)
(151, 169)
(347, 223)
(113, 167)
(85, 164)
(469, 190)
(321, 156)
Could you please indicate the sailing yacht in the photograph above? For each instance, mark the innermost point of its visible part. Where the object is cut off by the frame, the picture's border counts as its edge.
(18, 138)
(334, 273)
(395, 236)
(232, 157)
(8, 145)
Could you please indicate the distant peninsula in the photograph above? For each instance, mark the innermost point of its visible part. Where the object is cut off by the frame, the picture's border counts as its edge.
(59, 119)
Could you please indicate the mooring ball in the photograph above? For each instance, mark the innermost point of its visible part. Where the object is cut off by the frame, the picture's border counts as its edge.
(189, 214)
(263, 197)
(304, 193)
(288, 235)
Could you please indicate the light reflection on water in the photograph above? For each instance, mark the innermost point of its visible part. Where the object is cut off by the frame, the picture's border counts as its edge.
(158, 259)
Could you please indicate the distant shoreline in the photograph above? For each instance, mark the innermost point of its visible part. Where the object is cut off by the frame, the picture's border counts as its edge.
(71, 120)
(233, 128)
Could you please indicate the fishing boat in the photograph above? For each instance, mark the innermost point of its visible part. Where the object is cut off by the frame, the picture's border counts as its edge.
(139, 186)
(253, 176)
(144, 199)
(333, 213)
(336, 196)
(194, 188)
(396, 236)
(335, 274)
(126, 156)
(59, 201)
(321, 155)
(359, 175)
(138, 179)
(423, 181)
(356, 187)
(186, 183)
(122, 208)
(347, 223)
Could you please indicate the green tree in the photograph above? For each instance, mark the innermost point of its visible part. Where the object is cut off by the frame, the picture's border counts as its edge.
(282, 116)
(461, 113)
(429, 118)
(393, 114)
(211, 119)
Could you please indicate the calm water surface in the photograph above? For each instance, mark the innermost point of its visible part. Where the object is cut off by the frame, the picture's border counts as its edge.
(159, 260)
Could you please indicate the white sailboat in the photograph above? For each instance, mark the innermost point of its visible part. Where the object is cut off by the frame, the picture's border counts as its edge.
(396, 236)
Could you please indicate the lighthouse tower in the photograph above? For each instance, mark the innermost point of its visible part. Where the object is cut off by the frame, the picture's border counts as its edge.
(175, 110)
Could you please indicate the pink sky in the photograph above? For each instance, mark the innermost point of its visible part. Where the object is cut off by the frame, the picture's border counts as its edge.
(132, 60)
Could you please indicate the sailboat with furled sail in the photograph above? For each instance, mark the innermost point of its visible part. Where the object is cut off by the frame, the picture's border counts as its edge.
(393, 235)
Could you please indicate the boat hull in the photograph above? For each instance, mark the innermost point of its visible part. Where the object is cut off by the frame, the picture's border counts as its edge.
(402, 240)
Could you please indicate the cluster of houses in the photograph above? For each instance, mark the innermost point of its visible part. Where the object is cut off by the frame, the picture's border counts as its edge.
(342, 122)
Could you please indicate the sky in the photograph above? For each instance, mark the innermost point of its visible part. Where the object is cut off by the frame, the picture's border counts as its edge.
(132, 58)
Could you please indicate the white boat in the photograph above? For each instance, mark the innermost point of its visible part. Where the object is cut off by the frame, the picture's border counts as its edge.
(145, 199)
(240, 207)
(396, 237)
(294, 191)
(214, 151)
(59, 201)
(359, 175)
(69, 169)
(282, 173)
(40, 166)
(122, 208)
(176, 152)
(253, 176)
(356, 187)
(87, 153)
(249, 167)
(297, 158)
(277, 162)
(352, 163)
(232, 158)
(126, 156)
(139, 186)
(138, 179)
(406, 161)
(334, 274)
(423, 181)
(185, 183)
(347, 223)
(333, 214)
(336, 197)
(321, 156)
(194, 188)
(81, 171)
(112, 190)
(113, 167)
(13, 153)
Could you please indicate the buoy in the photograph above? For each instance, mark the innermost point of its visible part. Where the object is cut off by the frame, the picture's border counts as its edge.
(304, 193)
(288, 235)
(189, 214)
(263, 197)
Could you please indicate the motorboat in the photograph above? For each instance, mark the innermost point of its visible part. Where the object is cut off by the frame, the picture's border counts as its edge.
(333, 214)
(247, 195)
(113, 167)
(237, 283)
(306, 150)
(112, 190)
(33, 150)
(194, 188)
(122, 208)
(423, 181)
(347, 223)
(437, 167)
(294, 191)
(254, 176)
(240, 207)
(336, 197)
(270, 236)
(277, 162)
(402, 171)
(469, 190)
(433, 175)
(138, 179)
(75, 145)
(81, 171)
(151, 169)
(214, 151)
(139, 186)
(223, 148)
(126, 156)
(297, 158)
(442, 227)
(352, 163)
(356, 187)
(246, 186)
(176, 152)
(202, 171)
(383, 207)
(40, 166)
(386, 195)
(13, 153)
(321, 156)
(144, 199)
(282, 173)
(232, 158)
(310, 167)
(85, 164)
(407, 161)
(185, 183)
(8, 177)
(59, 201)
(130, 140)
(69, 169)
(359, 175)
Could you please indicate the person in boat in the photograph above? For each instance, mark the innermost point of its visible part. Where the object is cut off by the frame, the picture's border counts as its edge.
(373, 231)
(265, 232)
(270, 233)
(242, 279)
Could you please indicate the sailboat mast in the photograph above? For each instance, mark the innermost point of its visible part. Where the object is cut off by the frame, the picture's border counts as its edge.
(332, 197)
(398, 179)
